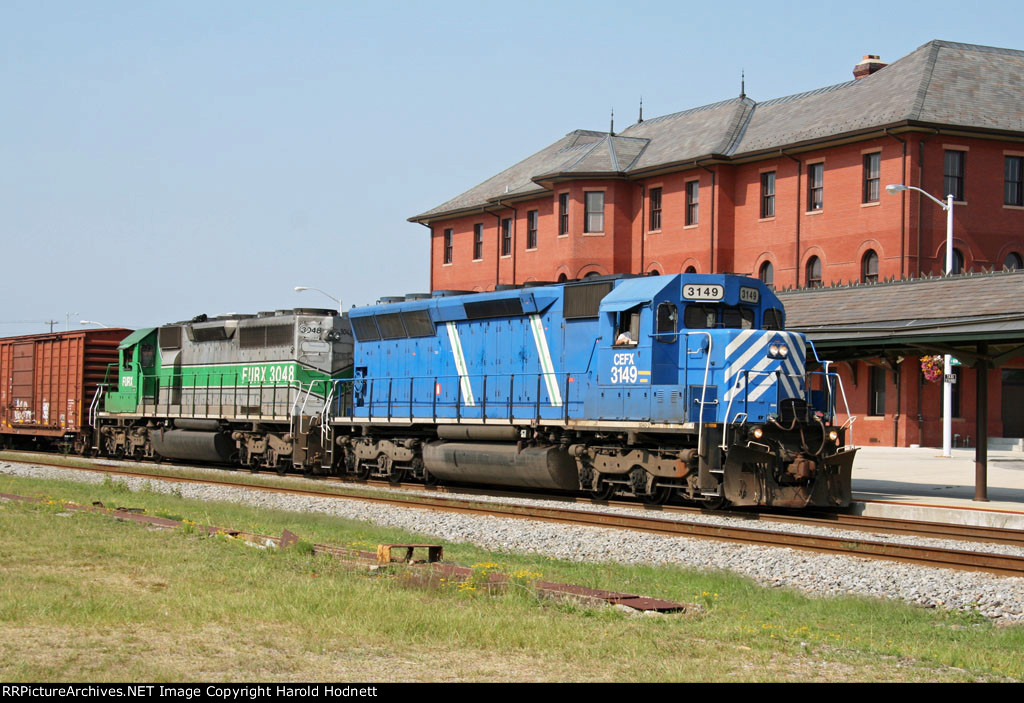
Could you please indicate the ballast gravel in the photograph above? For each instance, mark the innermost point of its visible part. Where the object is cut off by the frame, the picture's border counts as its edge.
(998, 598)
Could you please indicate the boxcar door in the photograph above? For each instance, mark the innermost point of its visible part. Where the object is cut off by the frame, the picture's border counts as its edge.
(22, 386)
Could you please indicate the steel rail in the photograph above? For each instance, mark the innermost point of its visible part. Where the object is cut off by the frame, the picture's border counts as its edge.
(1001, 564)
(815, 518)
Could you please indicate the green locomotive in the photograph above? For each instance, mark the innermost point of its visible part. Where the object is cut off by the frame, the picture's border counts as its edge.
(235, 388)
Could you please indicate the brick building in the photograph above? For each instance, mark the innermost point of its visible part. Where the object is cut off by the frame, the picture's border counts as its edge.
(791, 190)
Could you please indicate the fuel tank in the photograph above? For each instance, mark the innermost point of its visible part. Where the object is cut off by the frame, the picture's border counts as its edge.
(196, 446)
(501, 464)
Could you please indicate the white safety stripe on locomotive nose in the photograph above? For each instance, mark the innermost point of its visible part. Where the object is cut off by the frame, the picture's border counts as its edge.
(547, 367)
(735, 366)
(460, 364)
(791, 372)
(792, 366)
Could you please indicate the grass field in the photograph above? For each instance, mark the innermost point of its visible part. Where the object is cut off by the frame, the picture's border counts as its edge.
(85, 597)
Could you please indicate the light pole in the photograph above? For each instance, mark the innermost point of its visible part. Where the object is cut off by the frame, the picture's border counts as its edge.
(67, 320)
(92, 322)
(299, 289)
(947, 373)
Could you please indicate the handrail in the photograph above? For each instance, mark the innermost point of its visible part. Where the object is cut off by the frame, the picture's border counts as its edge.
(392, 406)
(96, 396)
(704, 387)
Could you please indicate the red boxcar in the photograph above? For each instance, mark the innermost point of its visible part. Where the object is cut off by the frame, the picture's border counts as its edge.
(47, 382)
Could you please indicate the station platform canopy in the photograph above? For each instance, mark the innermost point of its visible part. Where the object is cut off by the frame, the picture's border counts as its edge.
(976, 317)
(940, 315)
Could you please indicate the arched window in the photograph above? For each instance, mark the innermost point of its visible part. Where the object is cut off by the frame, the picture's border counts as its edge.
(958, 261)
(767, 274)
(562, 278)
(869, 267)
(814, 272)
(592, 274)
(1013, 261)
(690, 269)
(654, 272)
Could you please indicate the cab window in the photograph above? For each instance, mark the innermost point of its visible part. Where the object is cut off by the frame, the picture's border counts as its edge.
(772, 319)
(627, 330)
(738, 318)
(147, 355)
(699, 317)
(668, 323)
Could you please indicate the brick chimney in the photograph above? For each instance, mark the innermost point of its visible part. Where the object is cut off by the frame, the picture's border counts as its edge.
(868, 65)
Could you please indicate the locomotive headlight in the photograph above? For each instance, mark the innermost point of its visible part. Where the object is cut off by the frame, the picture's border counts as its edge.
(833, 435)
(773, 350)
(757, 432)
(783, 351)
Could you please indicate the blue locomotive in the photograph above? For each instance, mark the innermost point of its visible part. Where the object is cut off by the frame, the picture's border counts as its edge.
(685, 385)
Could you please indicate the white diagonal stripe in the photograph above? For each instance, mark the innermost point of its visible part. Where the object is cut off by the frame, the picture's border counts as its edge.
(738, 342)
(738, 364)
(754, 374)
(460, 364)
(547, 367)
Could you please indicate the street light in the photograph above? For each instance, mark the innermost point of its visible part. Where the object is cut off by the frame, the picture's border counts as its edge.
(92, 322)
(947, 387)
(299, 289)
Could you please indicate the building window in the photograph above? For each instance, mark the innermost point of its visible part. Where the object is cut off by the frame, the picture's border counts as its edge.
(768, 194)
(447, 246)
(655, 202)
(767, 274)
(531, 229)
(563, 213)
(815, 186)
(872, 177)
(1013, 261)
(692, 201)
(594, 212)
(506, 236)
(478, 242)
(958, 260)
(876, 391)
(953, 184)
(869, 267)
(814, 272)
(1014, 188)
(690, 269)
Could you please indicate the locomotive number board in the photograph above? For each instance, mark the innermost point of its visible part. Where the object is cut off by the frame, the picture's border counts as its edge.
(692, 291)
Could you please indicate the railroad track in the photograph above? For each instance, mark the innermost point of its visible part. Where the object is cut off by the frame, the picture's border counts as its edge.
(1001, 564)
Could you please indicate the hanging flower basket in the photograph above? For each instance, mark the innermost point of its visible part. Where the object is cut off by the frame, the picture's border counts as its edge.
(932, 367)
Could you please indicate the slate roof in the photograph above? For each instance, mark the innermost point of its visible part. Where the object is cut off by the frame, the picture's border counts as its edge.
(974, 305)
(941, 83)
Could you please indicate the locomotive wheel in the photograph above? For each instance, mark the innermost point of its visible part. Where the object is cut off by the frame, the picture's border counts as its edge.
(429, 479)
(713, 503)
(119, 453)
(604, 491)
(659, 495)
(363, 469)
(398, 475)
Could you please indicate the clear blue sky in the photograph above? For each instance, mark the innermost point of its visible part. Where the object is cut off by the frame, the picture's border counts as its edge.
(162, 160)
